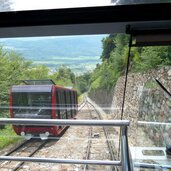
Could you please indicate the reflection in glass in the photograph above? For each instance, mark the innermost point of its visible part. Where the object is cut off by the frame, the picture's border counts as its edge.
(150, 83)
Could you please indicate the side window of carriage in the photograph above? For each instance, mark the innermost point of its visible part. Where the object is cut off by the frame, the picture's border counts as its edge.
(63, 105)
(58, 103)
(75, 101)
(71, 103)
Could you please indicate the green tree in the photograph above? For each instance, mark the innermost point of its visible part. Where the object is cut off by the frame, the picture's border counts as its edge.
(108, 45)
(151, 58)
(12, 68)
(64, 76)
(83, 82)
(106, 74)
(36, 72)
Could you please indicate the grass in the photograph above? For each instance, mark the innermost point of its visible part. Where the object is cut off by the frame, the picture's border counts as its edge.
(8, 136)
(150, 84)
(80, 98)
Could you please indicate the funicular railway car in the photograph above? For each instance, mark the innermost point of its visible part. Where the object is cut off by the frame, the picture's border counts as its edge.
(41, 99)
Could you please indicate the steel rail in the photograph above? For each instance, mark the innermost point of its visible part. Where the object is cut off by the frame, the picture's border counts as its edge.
(31, 154)
(53, 122)
(89, 142)
(18, 147)
(81, 106)
(126, 164)
(64, 161)
(106, 135)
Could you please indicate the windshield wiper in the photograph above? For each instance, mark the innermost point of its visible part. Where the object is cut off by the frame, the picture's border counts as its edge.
(162, 86)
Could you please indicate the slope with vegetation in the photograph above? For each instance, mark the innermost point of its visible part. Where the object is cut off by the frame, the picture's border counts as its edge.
(114, 61)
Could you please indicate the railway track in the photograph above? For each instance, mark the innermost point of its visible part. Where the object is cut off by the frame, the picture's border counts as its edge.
(26, 149)
(99, 146)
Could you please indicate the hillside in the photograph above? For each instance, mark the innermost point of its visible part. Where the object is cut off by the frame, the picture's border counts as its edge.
(78, 52)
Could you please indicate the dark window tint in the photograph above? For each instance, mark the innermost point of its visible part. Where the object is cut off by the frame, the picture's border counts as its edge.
(31, 105)
(31, 99)
(61, 104)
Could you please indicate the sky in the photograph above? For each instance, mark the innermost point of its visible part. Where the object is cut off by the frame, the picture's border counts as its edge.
(51, 4)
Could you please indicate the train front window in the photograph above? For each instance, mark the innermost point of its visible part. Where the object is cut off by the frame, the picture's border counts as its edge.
(36, 104)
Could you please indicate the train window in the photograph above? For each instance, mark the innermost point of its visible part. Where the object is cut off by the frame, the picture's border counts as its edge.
(63, 105)
(66, 103)
(32, 105)
(58, 103)
(31, 99)
(72, 102)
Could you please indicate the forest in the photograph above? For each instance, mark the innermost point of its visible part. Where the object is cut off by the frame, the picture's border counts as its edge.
(114, 60)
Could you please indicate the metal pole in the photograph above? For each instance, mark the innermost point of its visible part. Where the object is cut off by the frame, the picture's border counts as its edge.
(53, 122)
(125, 158)
(54, 160)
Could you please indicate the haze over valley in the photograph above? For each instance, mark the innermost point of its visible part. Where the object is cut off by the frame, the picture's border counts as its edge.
(80, 53)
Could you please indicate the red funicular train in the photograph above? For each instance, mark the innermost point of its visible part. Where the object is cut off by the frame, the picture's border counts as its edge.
(41, 99)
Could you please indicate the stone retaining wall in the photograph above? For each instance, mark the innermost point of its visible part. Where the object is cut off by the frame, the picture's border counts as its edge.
(144, 100)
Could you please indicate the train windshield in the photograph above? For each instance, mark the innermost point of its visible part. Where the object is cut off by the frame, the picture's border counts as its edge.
(32, 105)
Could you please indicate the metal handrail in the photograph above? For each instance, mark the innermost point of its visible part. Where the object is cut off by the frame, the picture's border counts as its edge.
(125, 160)
(66, 161)
(53, 122)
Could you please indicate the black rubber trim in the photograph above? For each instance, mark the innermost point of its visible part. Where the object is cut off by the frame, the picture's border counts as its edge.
(122, 13)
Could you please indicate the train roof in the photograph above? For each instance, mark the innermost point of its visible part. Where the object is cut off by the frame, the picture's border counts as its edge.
(31, 88)
(36, 88)
(39, 82)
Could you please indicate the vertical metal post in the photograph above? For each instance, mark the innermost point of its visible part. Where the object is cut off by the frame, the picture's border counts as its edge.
(125, 158)
(125, 85)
